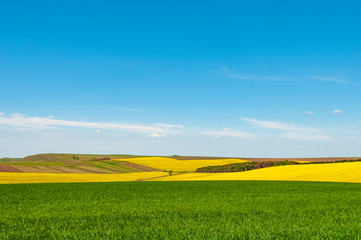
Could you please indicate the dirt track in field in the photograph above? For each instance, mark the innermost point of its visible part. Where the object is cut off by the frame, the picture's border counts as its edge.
(6, 168)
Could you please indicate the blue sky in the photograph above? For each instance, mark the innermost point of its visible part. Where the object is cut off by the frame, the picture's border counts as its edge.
(216, 78)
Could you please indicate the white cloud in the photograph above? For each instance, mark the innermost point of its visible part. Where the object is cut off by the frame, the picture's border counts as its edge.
(5, 139)
(244, 77)
(305, 136)
(226, 132)
(260, 78)
(225, 69)
(264, 78)
(1, 114)
(293, 131)
(330, 79)
(269, 124)
(17, 115)
(156, 135)
(216, 137)
(168, 125)
(98, 131)
(21, 121)
(336, 111)
(309, 112)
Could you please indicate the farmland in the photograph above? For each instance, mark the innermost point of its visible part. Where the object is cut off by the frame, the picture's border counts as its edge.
(71, 163)
(146, 197)
(51, 168)
(167, 164)
(7, 177)
(181, 210)
(331, 172)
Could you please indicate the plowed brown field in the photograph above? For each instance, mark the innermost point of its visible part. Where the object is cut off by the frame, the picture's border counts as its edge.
(6, 168)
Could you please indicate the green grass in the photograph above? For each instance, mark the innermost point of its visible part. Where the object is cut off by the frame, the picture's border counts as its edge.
(8, 159)
(181, 210)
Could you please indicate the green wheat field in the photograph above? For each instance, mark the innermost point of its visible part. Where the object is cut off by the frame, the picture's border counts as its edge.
(181, 210)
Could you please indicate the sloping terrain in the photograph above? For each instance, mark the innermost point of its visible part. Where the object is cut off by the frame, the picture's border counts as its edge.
(81, 167)
(171, 164)
(327, 172)
(71, 163)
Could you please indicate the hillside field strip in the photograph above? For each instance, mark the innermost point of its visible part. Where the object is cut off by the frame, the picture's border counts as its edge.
(171, 164)
(70, 163)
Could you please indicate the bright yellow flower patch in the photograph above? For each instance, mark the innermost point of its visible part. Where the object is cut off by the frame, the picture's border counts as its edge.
(331, 172)
(12, 177)
(168, 164)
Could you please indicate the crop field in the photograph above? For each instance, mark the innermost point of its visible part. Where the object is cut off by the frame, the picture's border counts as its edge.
(172, 164)
(70, 163)
(132, 197)
(328, 172)
(181, 210)
(12, 177)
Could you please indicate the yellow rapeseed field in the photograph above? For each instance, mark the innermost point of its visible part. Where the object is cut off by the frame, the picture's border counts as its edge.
(16, 177)
(168, 164)
(331, 172)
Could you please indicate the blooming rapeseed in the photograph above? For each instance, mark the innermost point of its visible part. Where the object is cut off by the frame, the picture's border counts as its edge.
(329, 172)
(168, 164)
(16, 177)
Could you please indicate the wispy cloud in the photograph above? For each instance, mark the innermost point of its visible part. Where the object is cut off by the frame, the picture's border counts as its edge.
(260, 78)
(225, 69)
(270, 124)
(330, 79)
(1, 114)
(293, 131)
(336, 111)
(18, 120)
(256, 77)
(157, 135)
(306, 136)
(231, 74)
(168, 125)
(226, 132)
(309, 112)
